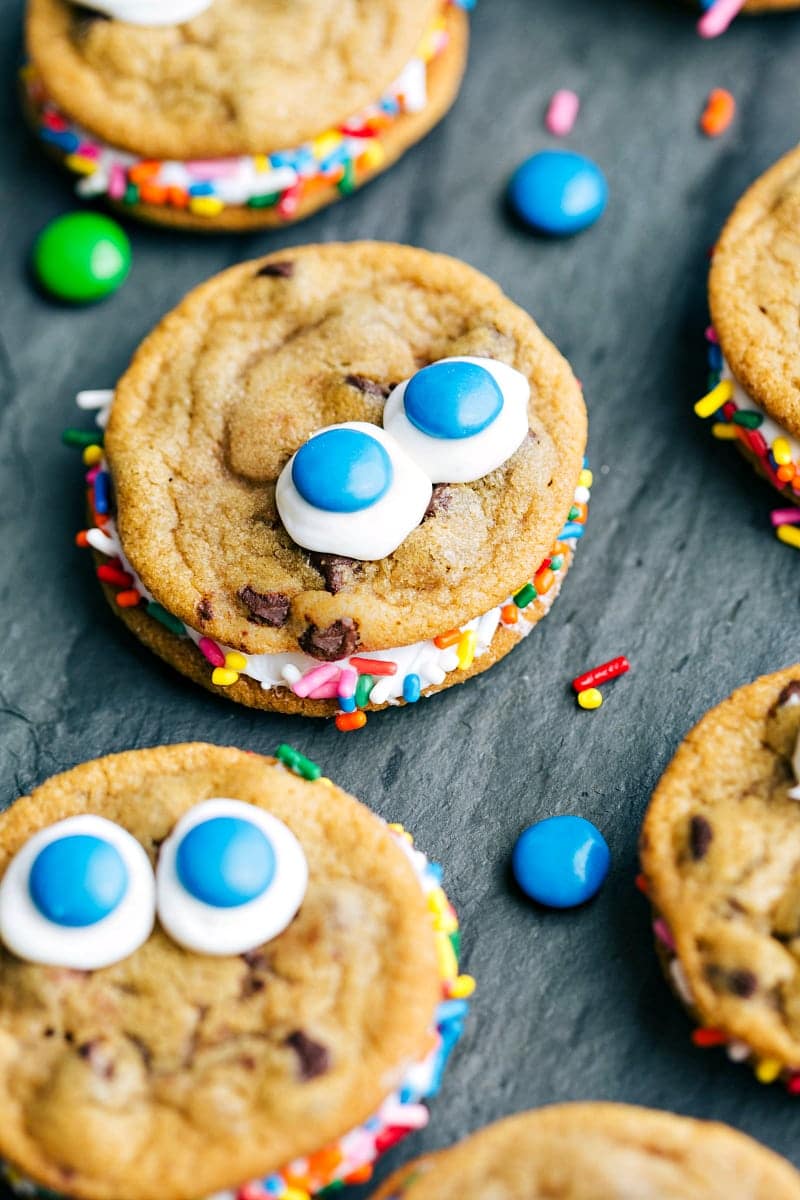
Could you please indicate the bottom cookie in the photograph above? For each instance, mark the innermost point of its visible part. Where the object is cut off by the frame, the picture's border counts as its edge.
(599, 1152)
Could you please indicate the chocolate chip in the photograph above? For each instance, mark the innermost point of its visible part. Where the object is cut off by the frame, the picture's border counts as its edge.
(369, 386)
(314, 1058)
(742, 983)
(205, 610)
(700, 835)
(100, 1063)
(440, 501)
(251, 986)
(336, 570)
(281, 270)
(790, 692)
(256, 960)
(336, 641)
(265, 608)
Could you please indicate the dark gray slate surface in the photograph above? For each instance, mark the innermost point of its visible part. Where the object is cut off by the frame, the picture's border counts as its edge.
(679, 569)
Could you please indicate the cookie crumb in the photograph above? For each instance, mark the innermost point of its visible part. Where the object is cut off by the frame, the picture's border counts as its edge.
(265, 608)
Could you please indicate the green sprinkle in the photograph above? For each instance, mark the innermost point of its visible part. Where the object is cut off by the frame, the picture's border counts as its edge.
(557, 563)
(574, 513)
(363, 688)
(82, 437)
(336, 1186)
(750, 420)
(455, 942)
(159, 613)
(525, 596)
(265, 201)
(347, 183)
(131, 195)
(712, 380)
(297, 762)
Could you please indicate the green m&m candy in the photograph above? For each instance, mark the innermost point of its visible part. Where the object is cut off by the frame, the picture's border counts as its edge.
(82, 257)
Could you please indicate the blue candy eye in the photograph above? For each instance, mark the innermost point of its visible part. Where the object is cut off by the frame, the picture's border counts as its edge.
(225, 862)
(77, 881)
(452, 399)
(342, 471)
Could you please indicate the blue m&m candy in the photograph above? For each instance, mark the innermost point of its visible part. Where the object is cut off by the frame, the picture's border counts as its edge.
(342, 470)
(76, 881)
(561, 861)
(558, 192)
(452, 399)
(225, 862)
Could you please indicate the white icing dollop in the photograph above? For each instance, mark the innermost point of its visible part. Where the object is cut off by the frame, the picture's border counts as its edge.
(31, 936)
(795, 791)
(206, 929)
(149, 12)
(463, 460)
(372, 533)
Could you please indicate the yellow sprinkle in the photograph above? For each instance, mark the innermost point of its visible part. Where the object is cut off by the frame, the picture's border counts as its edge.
(590, 698)
(725, 433)
(437, 901)
(768, 1070)
(790, 534)
(586, 478)
(92, 455)
(324, 779)
(715, 399)
(446, 955)
(782, 452)
(466, 648)
(223, 677)
(322, 146)
(464, 986)
(235, 661)
(291, 1193)
(445, 923)
(206, 206)
(261, 162)
(80, 164)
(398, 828)
(373, 156)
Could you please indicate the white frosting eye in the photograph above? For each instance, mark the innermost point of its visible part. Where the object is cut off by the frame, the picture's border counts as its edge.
(79, 894)
(459, 418)
(229, 878)
(351, 490)
(149, 12)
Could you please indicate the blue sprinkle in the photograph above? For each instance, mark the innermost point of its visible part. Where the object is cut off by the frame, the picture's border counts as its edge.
(347, 703)
(714, 357)
(274, 1185)
(411, 689)
(65, 141)
(571, 530)
(201, 189)
(102, 484)
(435, 871)
(449, 1010)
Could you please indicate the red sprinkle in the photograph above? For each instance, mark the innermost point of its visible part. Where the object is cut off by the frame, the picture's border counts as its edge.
(211, 651)
(601, 674)
(709, 1037)
(373, 666)
(129, 599)
(793, 1084)
(81, 539)
(641, 883)
(113, 576)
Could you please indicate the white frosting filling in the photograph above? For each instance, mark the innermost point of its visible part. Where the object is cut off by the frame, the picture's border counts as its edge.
(769, 429)
(374, 532)
(149, 12)
(463, 460)
(31, 936)
(207, 929)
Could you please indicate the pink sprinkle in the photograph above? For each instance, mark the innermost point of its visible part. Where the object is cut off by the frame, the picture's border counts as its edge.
(289, 202)
(562, 112)
(211, 651)
(785, 516)
(93, 473)
(325, 691)
(347, 683)
(717, 19)
(315, 678)
(711, 335)
(661, 930)
(88, 150)
(53, 120)
(116, 182)
(212, 168)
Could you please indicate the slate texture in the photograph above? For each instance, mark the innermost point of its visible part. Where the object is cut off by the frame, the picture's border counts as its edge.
(679, 568)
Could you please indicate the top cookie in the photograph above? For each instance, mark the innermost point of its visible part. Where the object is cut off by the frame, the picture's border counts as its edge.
(720, 848)
(252, 363)
(599, 1152)
(172, 1074)
(754, 291)
(243, 77)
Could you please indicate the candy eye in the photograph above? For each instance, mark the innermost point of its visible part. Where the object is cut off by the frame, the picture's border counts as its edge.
(229, 878)
(78, 894)
(460, 418)
(149, 12)
(351, 490)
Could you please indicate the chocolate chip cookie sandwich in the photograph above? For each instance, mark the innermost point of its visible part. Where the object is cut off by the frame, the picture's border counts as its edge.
(753, 352)
(336, 479)
(720, 847)
(216, 968)
(235, 114)
(598, 1152)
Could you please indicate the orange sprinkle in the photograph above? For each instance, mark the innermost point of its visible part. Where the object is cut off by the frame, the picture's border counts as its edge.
(128, 599)
(543, 580)
(100, 519)
(152, 193)
(143, 172)
(509, 614)
(177, 197)
(709, 1037)
(786, 474)
(347, 721)
(443, 640)
(718, 113)
(361, 1174)
(583, 512)
(81, 539)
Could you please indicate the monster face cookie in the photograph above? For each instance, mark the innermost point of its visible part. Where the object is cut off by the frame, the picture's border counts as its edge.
(720, 848)
(754, 291)
(214, 970)
(337, 478)
(598, 1152)
(234, 114)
